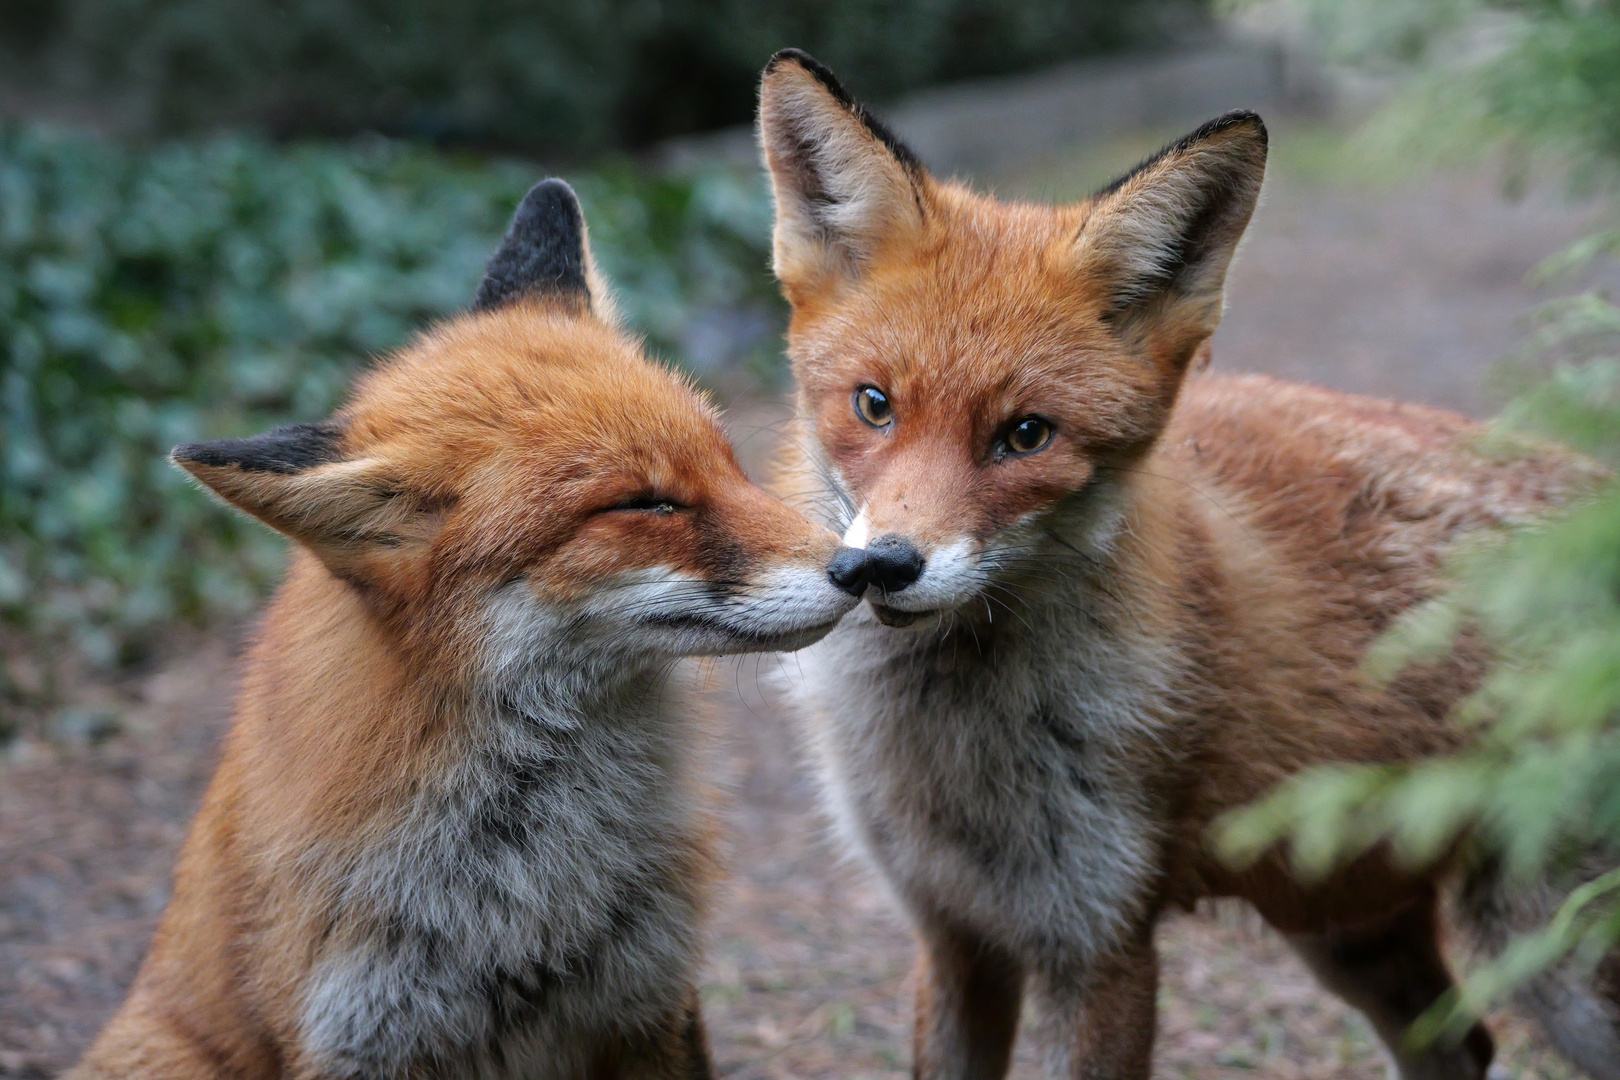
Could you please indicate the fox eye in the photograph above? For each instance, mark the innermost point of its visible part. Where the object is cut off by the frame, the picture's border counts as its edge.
(872, 405)
(1028, 435)
(651, 503)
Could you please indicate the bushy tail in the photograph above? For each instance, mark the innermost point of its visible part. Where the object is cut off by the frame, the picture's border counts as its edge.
(1577, 1008)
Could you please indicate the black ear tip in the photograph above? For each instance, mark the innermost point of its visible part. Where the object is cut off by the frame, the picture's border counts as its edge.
(285, 450)
(783, 56)
(543, 252)
(1245, 118)
(550, 207)
(829, 82)
(547, 197)
(817, 70)
(1237, 118)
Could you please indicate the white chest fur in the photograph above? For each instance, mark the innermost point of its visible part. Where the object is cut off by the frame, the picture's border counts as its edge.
(997, 784)
(538, 890)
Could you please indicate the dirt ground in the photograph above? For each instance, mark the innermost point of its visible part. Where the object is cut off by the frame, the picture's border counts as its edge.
(1410, 291)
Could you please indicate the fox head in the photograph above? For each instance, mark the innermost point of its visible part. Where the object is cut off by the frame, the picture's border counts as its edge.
(972, 373)
(520, 485)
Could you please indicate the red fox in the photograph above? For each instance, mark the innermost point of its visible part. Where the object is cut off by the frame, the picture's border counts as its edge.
(1107, 601)
(459, 827)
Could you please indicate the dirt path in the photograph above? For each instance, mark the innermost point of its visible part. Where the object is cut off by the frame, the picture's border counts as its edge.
(87, 845)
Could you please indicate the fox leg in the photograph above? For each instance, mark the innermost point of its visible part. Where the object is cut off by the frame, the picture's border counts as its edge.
(1580, 1013)
(1578, 1009)
(1393, 971)
(1101, 1027)
(968, 999)
(677, 1049)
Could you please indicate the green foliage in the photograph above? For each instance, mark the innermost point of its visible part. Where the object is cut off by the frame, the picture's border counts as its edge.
(1562, 78)
(1523, 79)
(552, 75)
(221, 287)
(1537, 790)
(1373, 34)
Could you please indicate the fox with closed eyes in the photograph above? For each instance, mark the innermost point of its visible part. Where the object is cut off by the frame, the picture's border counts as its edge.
(460, 827)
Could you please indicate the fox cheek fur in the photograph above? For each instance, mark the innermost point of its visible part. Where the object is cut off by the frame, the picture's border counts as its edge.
(460, 827)
(1137, 597)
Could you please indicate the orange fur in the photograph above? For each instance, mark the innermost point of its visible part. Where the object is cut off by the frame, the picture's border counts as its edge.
(390, 784)
(1147, 621)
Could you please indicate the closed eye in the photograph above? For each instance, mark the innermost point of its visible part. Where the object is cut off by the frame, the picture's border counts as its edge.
(655, 504)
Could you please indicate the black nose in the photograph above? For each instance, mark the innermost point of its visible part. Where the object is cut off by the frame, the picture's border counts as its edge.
(848, 570)
(892, 563)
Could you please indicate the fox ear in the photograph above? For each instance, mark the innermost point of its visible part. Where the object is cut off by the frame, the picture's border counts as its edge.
(1160, 238)
(299, 481)
(546, 254)
(844, 185)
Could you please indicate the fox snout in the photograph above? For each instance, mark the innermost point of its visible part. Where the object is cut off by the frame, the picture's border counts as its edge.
(889, 565)
(882, 572)
(849, 571)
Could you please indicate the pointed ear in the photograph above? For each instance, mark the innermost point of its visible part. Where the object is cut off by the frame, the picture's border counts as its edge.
(546, 254)
(844, 185)
(299, 481)
(1160, 238)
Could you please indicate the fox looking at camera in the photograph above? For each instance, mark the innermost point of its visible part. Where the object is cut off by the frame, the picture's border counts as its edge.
(1106, 600)
(460, 829)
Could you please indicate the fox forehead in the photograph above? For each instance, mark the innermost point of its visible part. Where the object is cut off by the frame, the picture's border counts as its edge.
(542, 397)
(979, 326)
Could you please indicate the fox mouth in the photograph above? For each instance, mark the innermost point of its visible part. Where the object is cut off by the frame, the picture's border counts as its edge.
(786, 640)
(893, 616)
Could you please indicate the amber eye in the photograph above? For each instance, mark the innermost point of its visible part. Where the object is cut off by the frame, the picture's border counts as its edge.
(872, 405)
(1028, 435)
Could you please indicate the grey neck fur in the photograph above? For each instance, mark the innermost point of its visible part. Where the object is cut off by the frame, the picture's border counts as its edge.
(990, 766)
(537, 889)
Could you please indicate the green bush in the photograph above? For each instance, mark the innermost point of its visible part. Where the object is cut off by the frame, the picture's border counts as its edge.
(1537, 791)
(532, 74)
(224, 286)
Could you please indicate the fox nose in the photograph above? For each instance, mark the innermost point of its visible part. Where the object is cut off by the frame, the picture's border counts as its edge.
(893, 562)
(848, 570)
